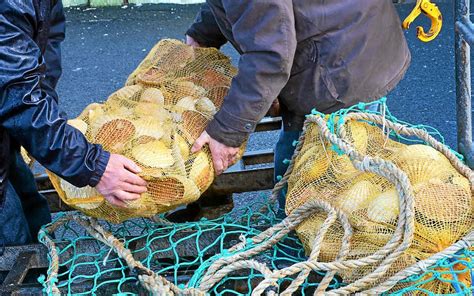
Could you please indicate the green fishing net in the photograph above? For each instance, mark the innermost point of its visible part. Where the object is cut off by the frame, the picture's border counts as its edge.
(183, 253)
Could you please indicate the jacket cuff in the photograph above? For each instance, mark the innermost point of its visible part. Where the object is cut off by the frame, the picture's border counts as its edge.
(101, 164)
(230, 129)
(203, 41)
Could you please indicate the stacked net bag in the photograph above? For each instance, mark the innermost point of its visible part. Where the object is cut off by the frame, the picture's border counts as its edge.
(407, 198)
(154, 120)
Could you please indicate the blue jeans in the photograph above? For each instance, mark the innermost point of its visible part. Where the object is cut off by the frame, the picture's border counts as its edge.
(24, 210)
(283, 150)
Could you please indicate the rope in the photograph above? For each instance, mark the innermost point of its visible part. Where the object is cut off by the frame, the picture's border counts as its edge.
(240, 256)
(421, 134)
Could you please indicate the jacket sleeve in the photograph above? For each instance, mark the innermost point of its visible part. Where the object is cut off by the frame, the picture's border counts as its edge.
(29, 114)
(205, 29)
(52, 55)
(265, 32)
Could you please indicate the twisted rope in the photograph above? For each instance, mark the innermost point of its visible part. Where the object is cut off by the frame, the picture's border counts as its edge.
(384, 257)
(421, 134)
(282, 183)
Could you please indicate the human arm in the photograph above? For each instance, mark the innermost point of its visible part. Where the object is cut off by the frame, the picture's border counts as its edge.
(205, 32)
(265, 33)
(29, 110)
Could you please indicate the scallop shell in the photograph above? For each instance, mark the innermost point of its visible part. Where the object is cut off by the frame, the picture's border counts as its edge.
(152, 95)
(358, 196)
(26, 157)
(385, 207)
(183, 146)
(151, 110)
(192, 125)
(342, 168)
(205, 105)
(307, 232)
(420, 170)
(129, 92)
(149, 126)
(173, 190)
(313, 164)
(358, 134)
(186, 103)
(202, 171)
(154, 154)
(84, 198)
(444, 202)
(115, 135)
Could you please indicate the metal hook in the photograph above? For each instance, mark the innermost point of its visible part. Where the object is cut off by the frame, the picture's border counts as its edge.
(432, 12)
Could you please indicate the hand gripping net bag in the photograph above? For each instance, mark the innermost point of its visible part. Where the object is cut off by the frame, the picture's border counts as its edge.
(405, 199)
(154, 120)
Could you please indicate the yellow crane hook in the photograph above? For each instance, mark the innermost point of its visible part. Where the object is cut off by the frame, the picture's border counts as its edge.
(432, 12)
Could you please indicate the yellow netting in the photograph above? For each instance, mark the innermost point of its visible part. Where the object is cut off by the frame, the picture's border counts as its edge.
(442, 196)
(26, 157)
(154, 120)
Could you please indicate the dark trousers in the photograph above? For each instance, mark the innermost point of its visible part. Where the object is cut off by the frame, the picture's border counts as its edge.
(24, 209)
(283, 150)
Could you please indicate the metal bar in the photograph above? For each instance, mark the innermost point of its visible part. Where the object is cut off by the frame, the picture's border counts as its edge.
(466, 29)
(463, 80)
(43, 182)
(233, 182)
(269, 124)
(18, 271)
(243, 181)
(12, 253)
(27, 289)
(236, 180)
(258, 157)
(54, 202)
(249, 158)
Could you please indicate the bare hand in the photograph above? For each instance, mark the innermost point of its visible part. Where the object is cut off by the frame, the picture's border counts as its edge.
(222, 155)
(119, 183)
(190, 41)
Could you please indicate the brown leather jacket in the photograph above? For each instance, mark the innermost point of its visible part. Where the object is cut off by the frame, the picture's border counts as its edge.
(309, 53)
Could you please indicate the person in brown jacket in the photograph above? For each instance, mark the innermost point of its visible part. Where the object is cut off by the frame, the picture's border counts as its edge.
(309, 54)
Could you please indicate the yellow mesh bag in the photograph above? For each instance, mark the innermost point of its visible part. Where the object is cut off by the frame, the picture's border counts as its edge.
(27, 157)
(154, 120)
(443, 200)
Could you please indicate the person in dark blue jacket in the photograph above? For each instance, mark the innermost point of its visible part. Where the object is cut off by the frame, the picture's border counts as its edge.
(30, 65)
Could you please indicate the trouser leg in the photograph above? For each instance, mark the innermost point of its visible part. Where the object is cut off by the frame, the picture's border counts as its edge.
(283, 150)
(35, 205)
(14, 228)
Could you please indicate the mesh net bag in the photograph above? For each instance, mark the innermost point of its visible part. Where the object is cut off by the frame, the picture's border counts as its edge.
(442, 194)
(154, 120)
